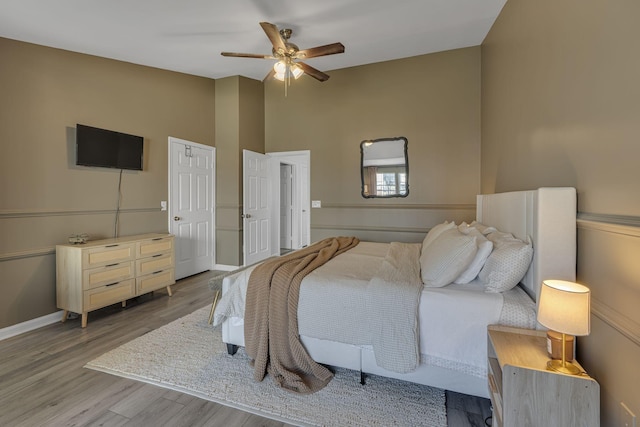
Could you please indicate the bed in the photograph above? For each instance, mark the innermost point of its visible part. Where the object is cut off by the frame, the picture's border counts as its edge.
(452, 319)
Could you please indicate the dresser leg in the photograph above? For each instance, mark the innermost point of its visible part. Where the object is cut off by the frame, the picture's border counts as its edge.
(84, 319)
(65, 313)
(169, 291)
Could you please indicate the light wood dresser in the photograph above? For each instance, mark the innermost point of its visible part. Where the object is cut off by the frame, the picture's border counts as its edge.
(524, 393)
(99, 273)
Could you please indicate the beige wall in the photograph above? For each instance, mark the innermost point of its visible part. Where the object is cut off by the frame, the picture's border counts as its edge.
(44, 197)
(432, 100)
(239, 126)
(561, 106)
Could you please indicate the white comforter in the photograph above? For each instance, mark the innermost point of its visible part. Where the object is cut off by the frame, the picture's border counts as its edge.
(452, 320)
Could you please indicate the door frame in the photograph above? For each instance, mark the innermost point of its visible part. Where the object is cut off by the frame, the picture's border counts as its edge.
(296, 159)
(173, 140)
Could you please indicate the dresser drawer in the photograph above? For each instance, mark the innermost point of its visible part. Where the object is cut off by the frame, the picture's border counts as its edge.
(154, 246)
(154, 263)
(109, 294)
(153, 281)
(108, 254)
(108, 274)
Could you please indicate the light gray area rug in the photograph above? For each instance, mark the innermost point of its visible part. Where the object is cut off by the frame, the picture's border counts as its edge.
(188, 355)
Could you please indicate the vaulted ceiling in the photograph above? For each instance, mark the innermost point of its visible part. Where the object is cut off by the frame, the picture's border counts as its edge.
(188, 36)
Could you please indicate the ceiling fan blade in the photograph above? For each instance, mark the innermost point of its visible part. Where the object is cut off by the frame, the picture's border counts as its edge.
(269, 75)
(329, 49)
(247, 55)
(274, 35)
(316, 74)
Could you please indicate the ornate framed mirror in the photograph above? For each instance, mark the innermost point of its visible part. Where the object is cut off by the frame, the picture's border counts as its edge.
(384, 165)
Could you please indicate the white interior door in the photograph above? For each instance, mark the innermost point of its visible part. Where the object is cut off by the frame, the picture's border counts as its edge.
(192, 205)
(256, 211)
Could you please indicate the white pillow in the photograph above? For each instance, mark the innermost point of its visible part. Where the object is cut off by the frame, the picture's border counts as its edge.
(484, 229)
(446, 257)
(507, 264)
(435, 231)
(485, 247)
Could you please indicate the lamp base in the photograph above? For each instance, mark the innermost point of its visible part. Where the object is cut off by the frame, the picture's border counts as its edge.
(566, 368)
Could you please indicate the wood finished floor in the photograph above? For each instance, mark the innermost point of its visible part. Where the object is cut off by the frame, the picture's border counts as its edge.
(43, 382)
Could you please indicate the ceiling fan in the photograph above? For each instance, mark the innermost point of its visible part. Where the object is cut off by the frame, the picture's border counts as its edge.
(289, 55)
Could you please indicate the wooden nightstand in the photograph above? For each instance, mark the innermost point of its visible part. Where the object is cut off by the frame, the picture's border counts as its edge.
(524, 393)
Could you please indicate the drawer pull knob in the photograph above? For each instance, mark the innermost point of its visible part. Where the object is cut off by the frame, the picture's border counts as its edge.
(112, 246)
(156, 255)
(111, 284)
(112, 265)
(156, 272)
(157, 238)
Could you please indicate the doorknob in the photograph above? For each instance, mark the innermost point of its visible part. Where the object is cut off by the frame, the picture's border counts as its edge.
(246, 215)
(176, 218)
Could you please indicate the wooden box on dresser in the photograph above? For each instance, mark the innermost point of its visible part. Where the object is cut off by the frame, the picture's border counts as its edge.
(99, 273)
(524, 393)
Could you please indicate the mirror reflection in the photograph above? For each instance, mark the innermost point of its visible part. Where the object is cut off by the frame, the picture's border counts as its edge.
(385, 167)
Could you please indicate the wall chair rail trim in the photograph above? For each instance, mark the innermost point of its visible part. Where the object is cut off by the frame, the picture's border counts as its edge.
(616, 320)
(38, 213)
(629, 227)
(31, 253)
(228, 206)
(228, 228)
(622, 225)
(370, 228)
(399, 206)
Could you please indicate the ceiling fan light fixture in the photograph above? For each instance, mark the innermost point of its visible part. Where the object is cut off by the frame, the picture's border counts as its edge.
(280, 67)
(296, 70)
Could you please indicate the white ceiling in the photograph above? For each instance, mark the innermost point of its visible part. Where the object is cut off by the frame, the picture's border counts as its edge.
(188, 35)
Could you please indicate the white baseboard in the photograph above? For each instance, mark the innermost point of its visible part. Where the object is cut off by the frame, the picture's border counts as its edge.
(29, 325)
(224, 267)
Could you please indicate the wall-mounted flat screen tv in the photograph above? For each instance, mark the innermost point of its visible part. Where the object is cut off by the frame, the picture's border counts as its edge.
(107, 148)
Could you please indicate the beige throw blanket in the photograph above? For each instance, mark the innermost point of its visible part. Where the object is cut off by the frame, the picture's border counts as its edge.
(271, 317)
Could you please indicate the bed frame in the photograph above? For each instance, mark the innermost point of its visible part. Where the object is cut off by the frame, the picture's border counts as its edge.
(546, 215)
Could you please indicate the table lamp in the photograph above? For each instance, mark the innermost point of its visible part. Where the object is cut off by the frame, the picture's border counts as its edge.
(564, 307)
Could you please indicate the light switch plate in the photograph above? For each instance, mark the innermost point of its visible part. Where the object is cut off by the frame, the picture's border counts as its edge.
(316, 204)
(163, 205)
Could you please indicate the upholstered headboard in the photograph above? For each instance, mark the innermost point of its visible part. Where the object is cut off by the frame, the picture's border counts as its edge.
(548, 216)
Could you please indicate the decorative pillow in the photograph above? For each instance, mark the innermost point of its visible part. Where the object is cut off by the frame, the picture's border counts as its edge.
(507, 264)
(484, 229)
(446, 257)
(485, 247)
(435, 231)
(500, 236)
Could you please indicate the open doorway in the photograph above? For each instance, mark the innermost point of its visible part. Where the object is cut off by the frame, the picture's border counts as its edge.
(293, 199)
(287, 199)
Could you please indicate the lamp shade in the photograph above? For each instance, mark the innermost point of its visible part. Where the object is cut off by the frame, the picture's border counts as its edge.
(296, 70)
(565, 307)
